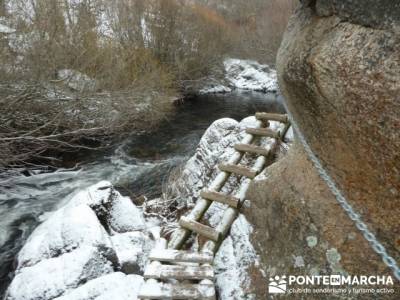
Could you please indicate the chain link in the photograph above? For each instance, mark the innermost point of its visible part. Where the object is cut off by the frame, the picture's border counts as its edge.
(355, 217)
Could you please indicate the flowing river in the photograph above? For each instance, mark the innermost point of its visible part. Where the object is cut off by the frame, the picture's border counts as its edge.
(139, 166)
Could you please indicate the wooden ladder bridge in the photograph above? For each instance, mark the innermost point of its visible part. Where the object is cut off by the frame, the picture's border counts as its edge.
(173, 273)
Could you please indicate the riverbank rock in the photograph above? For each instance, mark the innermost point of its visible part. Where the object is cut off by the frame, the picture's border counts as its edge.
(243, 74)
(88, 248)
(250, 75)
(338, 68)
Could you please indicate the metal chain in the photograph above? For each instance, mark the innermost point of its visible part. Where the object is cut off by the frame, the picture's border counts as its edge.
(355, 217)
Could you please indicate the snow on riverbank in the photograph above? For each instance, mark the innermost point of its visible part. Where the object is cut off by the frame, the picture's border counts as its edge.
(244, 75)
(250, 75)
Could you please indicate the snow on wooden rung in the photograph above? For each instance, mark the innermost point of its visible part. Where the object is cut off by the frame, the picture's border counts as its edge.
(263, 132)
(179, 272)
(252, 149)
(272, 117)
(181, 256)
(221, 198)
(151, 290)
(199, 228)
(238, 170)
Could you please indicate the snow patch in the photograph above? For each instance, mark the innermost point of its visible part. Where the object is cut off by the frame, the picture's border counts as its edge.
(244, 75)
(132, 250)
(66, 229)
(5, 29)
(250, 75)
(52, 277)
(125, 216)
(217, 89)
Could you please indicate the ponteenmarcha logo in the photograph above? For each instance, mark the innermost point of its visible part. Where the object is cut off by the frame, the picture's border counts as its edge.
(333, 284)
(277, 285)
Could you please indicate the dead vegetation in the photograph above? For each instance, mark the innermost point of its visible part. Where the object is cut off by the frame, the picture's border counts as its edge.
(37, 128)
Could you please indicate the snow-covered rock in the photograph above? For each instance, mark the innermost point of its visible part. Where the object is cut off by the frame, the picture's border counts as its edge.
(115, 286)
(250, 75)
(132, 250)
(96, 233)
(234, 261)
(50, 278)
(118, 213)
(245, 75)
(215, 146)
(96, 196)
(125, 217)
(66, 229)
(77, 80)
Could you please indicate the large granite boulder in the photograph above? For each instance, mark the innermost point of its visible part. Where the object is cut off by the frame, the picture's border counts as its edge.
(93, 247)
(339, 71)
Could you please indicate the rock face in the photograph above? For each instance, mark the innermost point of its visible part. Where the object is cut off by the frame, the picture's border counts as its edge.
(81, 250)
(338, 68)
(299, 229)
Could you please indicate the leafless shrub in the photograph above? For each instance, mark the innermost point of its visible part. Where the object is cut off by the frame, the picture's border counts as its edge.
(37, 128)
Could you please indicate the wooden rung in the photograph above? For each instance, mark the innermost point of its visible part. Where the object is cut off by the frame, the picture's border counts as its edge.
(158, 290)
(179, 272)
(263, 132)
(181, 256)
(238, 170)
(201, 229)
(252, 149)
(272, 117)
(221, 198)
